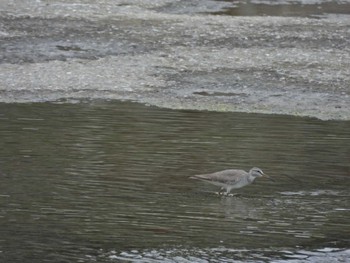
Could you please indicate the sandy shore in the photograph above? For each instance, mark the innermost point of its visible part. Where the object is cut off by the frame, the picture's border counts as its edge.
(145, 51)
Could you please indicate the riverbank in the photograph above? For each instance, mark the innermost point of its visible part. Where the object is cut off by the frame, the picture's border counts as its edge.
(140, 51)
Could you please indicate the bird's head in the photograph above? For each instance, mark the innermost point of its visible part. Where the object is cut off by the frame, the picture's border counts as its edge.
(257, 172)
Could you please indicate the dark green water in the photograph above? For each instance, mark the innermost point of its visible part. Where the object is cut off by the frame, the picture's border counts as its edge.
(108, 182)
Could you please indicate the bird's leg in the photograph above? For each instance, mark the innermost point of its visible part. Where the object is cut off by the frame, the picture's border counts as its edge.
(231, 195)
(220, 191)
(227, 193)
(223, 192)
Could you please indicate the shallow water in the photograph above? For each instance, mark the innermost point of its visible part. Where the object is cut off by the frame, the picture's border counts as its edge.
(109, 182)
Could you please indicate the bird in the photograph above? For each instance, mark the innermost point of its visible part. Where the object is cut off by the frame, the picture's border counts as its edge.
(231, 179)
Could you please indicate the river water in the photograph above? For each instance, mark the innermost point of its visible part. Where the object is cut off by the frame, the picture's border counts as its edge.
(108, 182)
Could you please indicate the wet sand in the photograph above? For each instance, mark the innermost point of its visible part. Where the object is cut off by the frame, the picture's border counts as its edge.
(176, 55)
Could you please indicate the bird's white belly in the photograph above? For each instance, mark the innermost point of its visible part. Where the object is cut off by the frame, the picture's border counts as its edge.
(218, 184)
(238, 184)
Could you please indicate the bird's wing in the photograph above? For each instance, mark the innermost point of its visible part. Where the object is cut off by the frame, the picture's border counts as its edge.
(225, 176)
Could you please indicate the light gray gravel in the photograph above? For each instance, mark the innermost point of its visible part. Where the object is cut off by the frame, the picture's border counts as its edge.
(143, 51)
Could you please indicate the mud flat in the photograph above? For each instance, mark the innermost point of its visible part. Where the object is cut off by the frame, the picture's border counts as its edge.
(176, 55)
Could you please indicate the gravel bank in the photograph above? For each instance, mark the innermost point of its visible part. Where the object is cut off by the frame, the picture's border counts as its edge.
(140, 51)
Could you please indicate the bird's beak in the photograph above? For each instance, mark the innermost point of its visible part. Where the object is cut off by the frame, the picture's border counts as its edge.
(268, 177)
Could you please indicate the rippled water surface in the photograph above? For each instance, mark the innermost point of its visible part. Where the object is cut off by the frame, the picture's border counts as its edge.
(108, 182)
